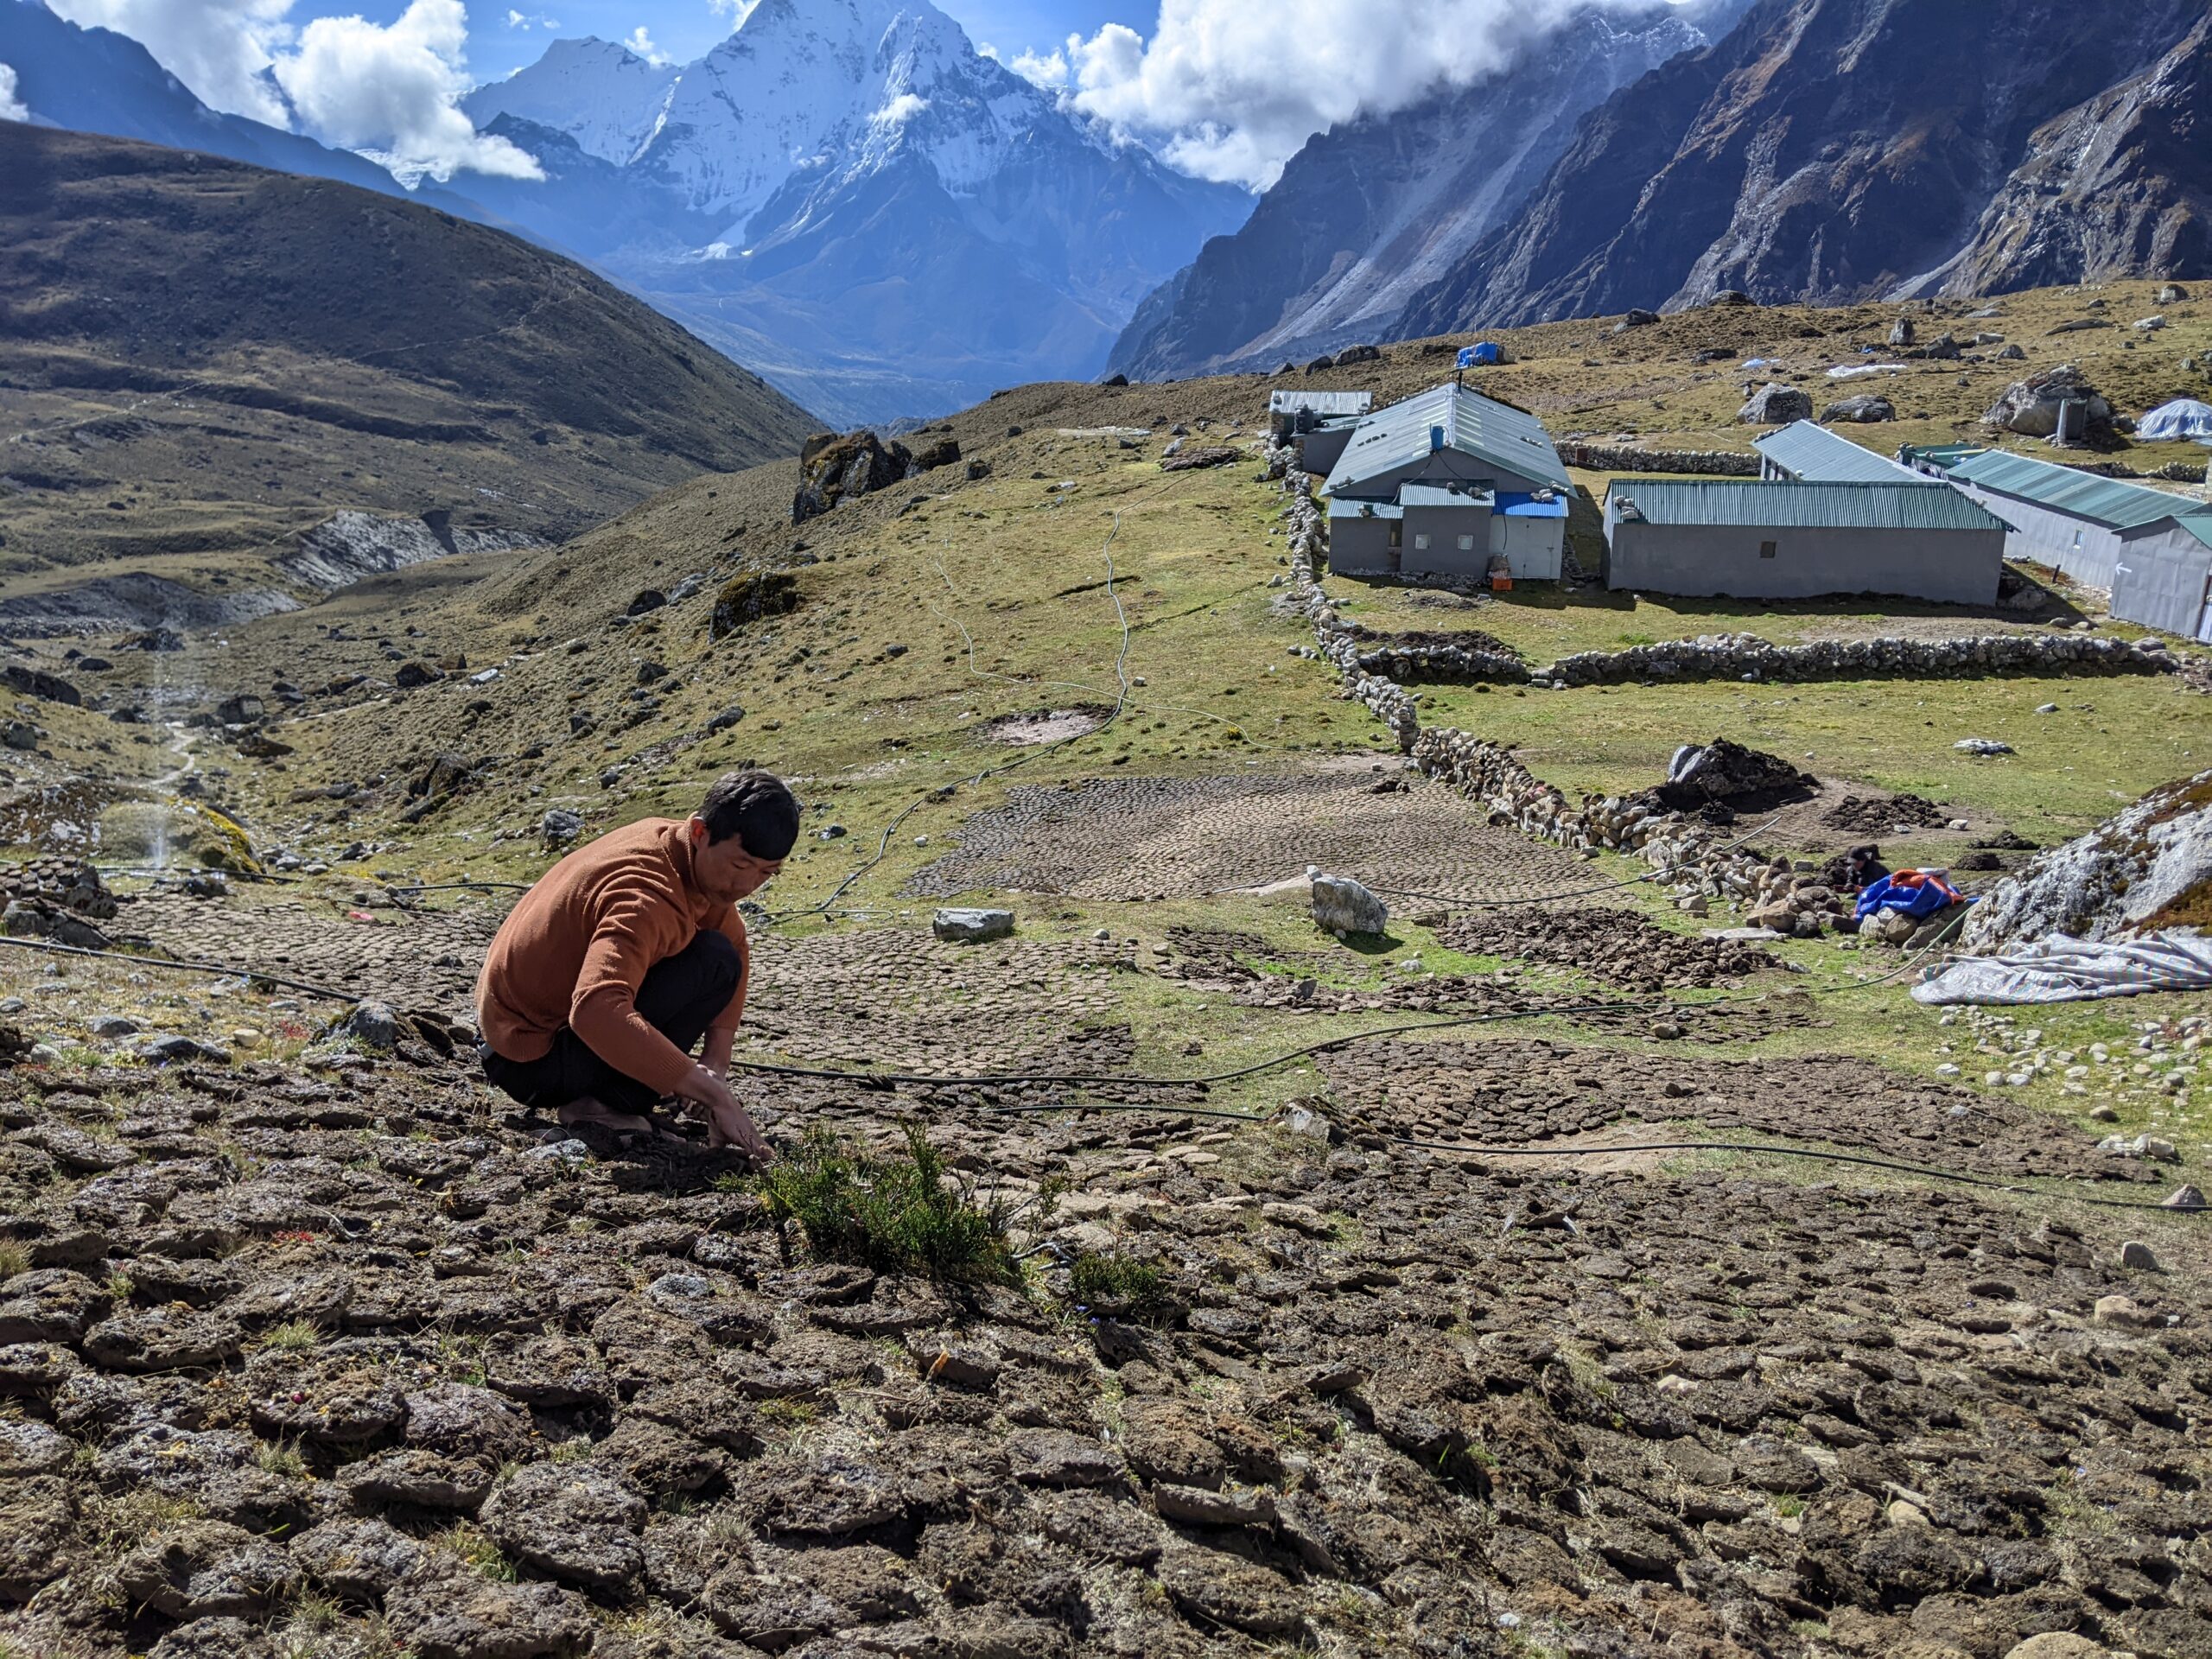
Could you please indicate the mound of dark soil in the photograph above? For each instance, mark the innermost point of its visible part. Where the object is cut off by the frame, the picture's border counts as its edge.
(1745, 780)
(1874, 815)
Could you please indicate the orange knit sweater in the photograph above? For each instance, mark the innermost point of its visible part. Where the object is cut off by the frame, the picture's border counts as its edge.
(577, 946)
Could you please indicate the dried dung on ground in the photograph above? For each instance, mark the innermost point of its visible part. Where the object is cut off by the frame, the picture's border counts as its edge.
(1878, 814)
(282, 1333)
(1141, 838)
(1616, 946)
(1513, 1092)
(1229, 960)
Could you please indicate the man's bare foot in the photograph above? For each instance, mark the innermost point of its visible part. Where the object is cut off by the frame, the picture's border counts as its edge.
(584, 1112)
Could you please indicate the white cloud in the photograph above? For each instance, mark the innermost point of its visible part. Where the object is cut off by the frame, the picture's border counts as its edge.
(393, 89)
(1050, 72)
(11, 107)
(388, 89)
(642, 44)
(525, 20)
(1229, 90)
(221, 49)
(736, 10)
(900, 110)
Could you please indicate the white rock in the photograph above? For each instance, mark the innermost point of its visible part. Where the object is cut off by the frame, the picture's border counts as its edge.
(1342, 905)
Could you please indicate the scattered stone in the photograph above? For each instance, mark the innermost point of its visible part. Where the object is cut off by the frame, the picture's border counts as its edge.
(958, 924)
(2137, 1255)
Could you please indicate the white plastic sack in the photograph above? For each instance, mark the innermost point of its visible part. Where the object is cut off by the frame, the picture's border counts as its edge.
(2062, 970)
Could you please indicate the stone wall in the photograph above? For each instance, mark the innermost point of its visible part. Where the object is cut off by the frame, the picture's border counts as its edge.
(1634, 458)
(1747, 657)
(1334, 639)
(1687, 856)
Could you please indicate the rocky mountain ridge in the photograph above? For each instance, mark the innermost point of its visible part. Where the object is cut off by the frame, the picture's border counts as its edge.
(1371, 211)
(1835, 150)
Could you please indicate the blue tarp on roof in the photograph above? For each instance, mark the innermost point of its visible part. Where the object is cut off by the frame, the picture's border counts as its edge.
(1519, 503)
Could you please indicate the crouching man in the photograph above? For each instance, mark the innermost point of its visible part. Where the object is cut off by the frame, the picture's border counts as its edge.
(627, 956)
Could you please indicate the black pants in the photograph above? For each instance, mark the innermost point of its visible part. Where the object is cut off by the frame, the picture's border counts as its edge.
(679, 997)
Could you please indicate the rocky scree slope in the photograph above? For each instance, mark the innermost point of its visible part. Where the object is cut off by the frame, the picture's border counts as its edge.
(1371, 211)
(208, 356)
(1839, 149)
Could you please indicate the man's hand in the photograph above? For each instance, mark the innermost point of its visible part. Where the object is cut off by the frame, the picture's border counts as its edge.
(727, 1123)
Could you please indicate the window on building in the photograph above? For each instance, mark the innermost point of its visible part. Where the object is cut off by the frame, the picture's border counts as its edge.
(1466, 544)
(2077, 541)
(1420, 540)
(1397, 535)
(1766, 550)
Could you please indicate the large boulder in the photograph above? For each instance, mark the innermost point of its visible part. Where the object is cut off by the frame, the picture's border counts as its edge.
(2146, 869)
(834, 468)
(1774, 404)
(1342, 905)
(1866, 406)
(2031, 407)
(747, 599)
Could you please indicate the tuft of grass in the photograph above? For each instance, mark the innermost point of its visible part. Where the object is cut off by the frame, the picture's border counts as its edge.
(1120, 1288)
(120, 1285)
(474, 1546)
(281, 1457)
(893, 1214)
(14, 1259)
(293, 1337)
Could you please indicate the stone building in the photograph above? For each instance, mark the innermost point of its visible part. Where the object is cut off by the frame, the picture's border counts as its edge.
(1449, 483)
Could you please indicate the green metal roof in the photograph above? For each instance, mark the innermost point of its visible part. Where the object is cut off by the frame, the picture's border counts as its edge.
(1807, 450)
(2113, 502)
(1491, 433)
(1923, 504)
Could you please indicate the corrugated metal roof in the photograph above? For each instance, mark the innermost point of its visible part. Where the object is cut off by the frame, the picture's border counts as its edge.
(1808, 450)
(1321, 402)
(2113, 502)
(1442, 495)
(1348, 508)
(1835, 505)
(1474, 425)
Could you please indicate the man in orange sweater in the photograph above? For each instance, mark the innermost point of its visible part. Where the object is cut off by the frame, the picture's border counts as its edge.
(627, 956)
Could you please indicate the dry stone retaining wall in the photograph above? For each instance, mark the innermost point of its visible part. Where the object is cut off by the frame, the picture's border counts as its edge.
(1747, 657)
(1634, 458)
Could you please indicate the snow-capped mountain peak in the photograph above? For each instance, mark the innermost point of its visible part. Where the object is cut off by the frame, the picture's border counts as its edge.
(604, 96)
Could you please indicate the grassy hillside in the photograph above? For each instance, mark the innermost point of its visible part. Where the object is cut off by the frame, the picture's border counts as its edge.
(198, 358)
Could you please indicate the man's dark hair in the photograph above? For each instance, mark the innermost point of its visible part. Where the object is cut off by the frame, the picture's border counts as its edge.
(757, 807)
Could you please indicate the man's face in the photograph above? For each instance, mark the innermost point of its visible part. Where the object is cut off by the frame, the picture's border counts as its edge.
(723, 869)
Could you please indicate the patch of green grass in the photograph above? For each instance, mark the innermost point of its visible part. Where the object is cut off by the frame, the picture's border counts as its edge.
(293, 1337)
(474, 1547)
(1118, 1286)
(282, 1459)
(14, 1259)
(893, 1214)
